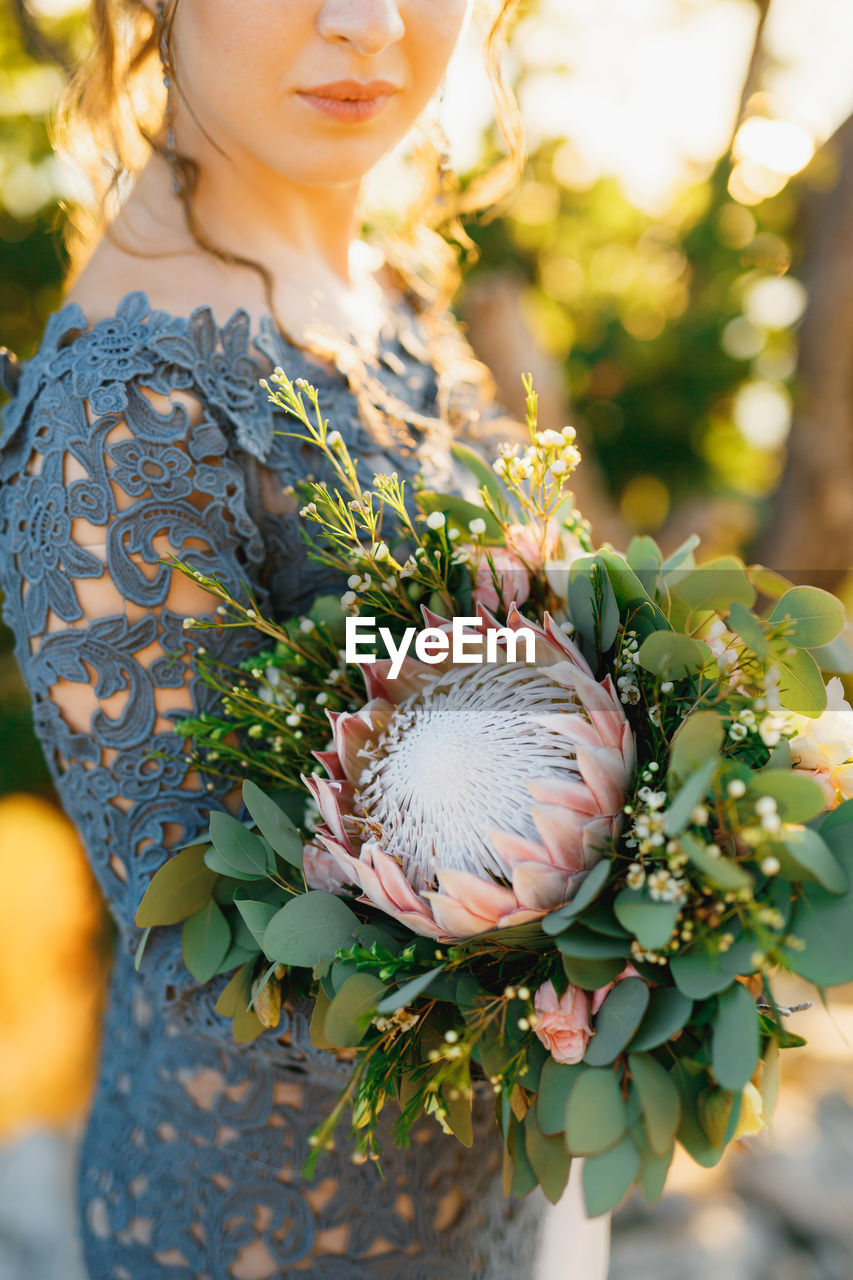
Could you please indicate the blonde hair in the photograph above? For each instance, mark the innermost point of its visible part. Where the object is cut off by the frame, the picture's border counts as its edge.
(113, 111)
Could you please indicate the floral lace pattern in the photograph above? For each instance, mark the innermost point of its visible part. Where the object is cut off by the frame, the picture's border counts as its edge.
(142, 436)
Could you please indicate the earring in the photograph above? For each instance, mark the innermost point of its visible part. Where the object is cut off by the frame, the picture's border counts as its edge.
(169, 116)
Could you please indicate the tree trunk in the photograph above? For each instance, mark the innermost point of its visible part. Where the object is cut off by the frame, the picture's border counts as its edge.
(811, 531)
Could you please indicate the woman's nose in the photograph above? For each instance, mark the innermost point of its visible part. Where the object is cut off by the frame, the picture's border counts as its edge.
(369, 25)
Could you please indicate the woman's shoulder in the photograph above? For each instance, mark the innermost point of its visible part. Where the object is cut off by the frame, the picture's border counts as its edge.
(102, 357)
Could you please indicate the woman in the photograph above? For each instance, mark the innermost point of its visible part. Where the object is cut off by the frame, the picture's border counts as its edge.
(139, 431)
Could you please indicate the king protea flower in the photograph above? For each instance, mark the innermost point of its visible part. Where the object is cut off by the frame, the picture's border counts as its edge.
(463, 798)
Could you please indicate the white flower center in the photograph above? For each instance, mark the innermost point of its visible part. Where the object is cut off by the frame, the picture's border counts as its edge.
(454, 762)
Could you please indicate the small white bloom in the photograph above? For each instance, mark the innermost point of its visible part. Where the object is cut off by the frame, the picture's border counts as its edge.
(667, 686)
(321, 699)
(334, 438)
(354, 581)
(381, 552)
(293, 720)
(436, 520)
(771, 866)
(558, 467)
(348, 599)
(306, 626)
(765, 805)
(736, 788)
(699, 815)
(477, 526)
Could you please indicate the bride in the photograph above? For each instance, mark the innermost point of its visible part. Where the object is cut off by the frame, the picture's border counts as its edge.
(227, 142)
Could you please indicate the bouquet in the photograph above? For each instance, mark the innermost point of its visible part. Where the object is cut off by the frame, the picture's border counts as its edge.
(526, 818)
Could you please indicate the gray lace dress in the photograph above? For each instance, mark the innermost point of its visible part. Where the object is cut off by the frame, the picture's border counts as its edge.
(144, 435)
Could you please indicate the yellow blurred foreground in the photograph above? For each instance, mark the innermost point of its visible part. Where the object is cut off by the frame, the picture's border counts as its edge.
(52, 966)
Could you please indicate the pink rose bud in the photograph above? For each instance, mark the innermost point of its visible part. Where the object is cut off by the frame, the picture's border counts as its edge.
(599, 994)
(563, 1025)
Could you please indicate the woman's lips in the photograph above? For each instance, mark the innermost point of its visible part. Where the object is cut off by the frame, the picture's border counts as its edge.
(345, 104)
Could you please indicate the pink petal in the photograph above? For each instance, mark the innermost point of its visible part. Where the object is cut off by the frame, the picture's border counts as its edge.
(334, 798)
(355, 731)
(541, 887)
(330, 760)
(595, 836)
(562, 834)
(514, 849)
(566, 644)
(573, 793)
(603, 770)
(411, 678)
(483, 897)
(572, 725)
(603, 708)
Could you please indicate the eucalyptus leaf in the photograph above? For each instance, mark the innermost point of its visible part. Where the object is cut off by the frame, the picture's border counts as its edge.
(716, 869)
(681, 557)
(699, 738)
(231, 997)
(317, 1030)
(801, 686)
(309, 928)
(745, 624)
(409, 991)
(548, 1157)
(734, 1038)
(667, 1013)
(607, 1177)
(805, 856)
(694, 790)
(798, 797)
(256, 915)
(480, 470)
(651, 922)
(596, 1117)
(659, 1098)
(182, 886)
(591, 974)
(823, 922)
(584, 944)
(690, 1078)
(274, 824)
(616, 1021)
(239, 850)
(345, 1023)
(818, 616)
(524, 1178)
(672, 655)
(555, 1084)
(716, 584)
(698, 974)
(205, 938)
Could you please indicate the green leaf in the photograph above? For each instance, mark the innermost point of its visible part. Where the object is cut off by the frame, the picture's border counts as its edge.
(667, 1013)
(607, 1177)
(819, 616)
(596, 1117)
(585, 944)
(654, 1170)
(659, 1099)
(798, 797)
(716, 584)
(734, 1038)
(682, 556)
(182, 886)
(480, 470)
(616, 1021)
(698, 738)
(205, 938)
(231, 996)
(346, 1018)
(317, 1030)
(699, 975)
(805, 856)
(801, 687)
(555, 1084)
(835, 657)
(690, 1078)
(592, 603)
(824, 923)
(523, 1175)
(677, 815)
(460, 513)
(650, 922)
(237, 851)
(548, 1157)
(672, 655)
(591, 887)
(749, 628)
(719, 871)
(459, 1116)
(256, 915)
(309, 928)
(409, 991)
(645, 558)
(591, 974)
(631, 595)
(274, 824)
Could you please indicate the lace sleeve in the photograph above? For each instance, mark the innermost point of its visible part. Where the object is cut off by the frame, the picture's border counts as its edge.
(95, 502)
